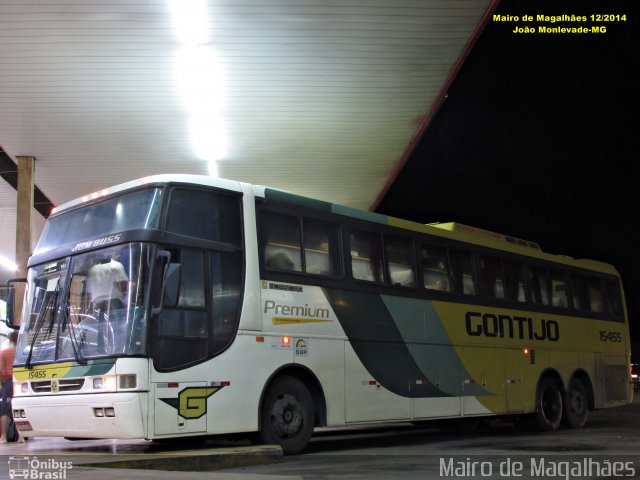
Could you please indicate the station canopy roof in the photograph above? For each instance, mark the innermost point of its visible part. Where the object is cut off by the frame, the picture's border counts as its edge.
(320, 98)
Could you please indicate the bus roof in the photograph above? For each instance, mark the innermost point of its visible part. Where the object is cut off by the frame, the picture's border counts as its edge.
(164, 178)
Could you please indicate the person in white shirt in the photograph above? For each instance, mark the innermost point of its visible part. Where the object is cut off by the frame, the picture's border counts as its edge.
(107, 282)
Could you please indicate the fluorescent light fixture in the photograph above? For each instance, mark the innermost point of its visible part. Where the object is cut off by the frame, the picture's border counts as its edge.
(8, 264)
(199, 77)
(208, 137)
(213, 169)
(189, 19)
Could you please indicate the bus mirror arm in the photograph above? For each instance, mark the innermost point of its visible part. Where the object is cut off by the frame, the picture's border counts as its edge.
(11, 296)
(170, 283)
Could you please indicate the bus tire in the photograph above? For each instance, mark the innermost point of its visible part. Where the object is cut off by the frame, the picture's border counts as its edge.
(576, 405)
(548, 406)
(287, 417)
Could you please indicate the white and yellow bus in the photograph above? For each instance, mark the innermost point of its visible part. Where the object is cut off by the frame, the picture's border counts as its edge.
(176, 306)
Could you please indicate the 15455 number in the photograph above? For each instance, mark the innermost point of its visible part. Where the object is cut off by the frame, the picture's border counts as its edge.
(606, 336)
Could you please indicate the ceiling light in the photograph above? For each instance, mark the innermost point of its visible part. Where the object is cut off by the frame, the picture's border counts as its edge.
(199, 78)
(213, 169)
(208, 138)
(8, 264)
(189, 18)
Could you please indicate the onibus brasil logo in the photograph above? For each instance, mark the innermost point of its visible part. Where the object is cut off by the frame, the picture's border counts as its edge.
(34, 468)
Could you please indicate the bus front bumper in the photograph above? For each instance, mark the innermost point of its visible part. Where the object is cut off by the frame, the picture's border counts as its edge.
(105, 415)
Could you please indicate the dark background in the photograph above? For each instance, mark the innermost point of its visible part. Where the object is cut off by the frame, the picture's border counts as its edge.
(539, 138)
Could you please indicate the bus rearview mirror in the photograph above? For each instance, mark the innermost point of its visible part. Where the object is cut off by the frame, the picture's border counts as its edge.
(8, 295)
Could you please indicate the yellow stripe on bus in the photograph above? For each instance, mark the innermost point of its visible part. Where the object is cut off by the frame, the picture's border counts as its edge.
(42, 372)
(296, 321)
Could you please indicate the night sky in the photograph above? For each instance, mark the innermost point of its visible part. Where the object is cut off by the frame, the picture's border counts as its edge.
(539, 138)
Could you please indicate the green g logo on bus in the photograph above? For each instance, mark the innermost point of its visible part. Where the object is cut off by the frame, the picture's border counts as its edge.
(192, 401)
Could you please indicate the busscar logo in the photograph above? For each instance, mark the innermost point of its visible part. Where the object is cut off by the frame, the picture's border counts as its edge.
(96, 243)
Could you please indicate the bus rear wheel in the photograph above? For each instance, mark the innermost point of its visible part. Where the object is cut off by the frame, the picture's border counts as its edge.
(576, 405)
(548, 414)
(548, 406)
(287, 417)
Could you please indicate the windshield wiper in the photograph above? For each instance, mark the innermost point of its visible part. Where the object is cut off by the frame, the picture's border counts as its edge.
(75, 344)
(48, 304)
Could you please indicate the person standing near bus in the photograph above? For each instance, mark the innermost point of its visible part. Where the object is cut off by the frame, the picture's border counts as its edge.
(6, 378)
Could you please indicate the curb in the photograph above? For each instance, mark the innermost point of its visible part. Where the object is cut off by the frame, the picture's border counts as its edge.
(195, 460)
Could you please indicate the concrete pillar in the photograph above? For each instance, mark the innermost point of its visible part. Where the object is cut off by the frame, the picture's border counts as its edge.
(24, 217)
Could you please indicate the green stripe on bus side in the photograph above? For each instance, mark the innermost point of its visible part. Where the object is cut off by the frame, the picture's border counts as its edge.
(284, 197)
(379, 345)
(92, 368)
(431, 347)
(359, 214)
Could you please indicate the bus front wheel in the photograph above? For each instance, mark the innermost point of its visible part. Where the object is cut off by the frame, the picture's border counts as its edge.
(576, 405)
(287, 417)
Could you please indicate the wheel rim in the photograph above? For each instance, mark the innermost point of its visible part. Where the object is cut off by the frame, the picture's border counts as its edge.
(551, 404)
(286, 416)
(576, 403)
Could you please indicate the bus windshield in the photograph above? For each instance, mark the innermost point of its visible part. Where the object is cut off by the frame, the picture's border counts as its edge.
(87, 306)
(137, 210)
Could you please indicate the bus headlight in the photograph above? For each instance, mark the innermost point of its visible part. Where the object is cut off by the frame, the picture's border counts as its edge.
(127, 381)
(107, 382)
(20, 388)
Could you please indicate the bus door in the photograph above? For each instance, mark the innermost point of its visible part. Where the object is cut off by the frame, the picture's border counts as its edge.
(516, 362)
(366, 398)
(484, 385)
(441, 370)
(180, 344)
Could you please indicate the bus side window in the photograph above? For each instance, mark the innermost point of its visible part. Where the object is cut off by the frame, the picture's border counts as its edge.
(491, 279)
(538, 278)
(513, 280)
(321, 247)
(366, 257)
(559, 296)
(462, 270)
(281, 242)
(614, 300)
(182, 330)
(435, 268)
(580, 294)
(594, 290)
(400, 261)
(225, 270)
(202, 214)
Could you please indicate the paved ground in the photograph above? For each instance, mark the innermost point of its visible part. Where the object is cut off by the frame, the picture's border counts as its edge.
(610, 440)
